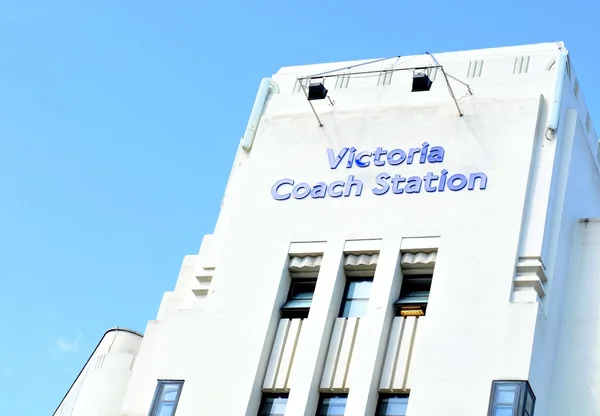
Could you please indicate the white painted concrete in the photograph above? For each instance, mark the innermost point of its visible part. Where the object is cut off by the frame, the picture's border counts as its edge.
(217, 330)
(100, 387)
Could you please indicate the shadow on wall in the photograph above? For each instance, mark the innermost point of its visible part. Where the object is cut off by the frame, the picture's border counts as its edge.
(576, 384)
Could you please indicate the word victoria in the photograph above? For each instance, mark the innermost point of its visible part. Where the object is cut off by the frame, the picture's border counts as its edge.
(288, 188)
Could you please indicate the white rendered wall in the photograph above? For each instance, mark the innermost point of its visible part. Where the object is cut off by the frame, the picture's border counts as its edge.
(101, 386)
(219, 339)
(577, 369)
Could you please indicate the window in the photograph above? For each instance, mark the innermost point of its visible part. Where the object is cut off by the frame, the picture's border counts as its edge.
(511, 398)
(475, 68)
(166, 398)
(356, 298)
(332, 405)
(392, 405)
(414, 295)
(273, 405)
(521, 64)
(299, 299)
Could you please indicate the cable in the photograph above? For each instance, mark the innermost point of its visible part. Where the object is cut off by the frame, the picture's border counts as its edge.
(352, 66)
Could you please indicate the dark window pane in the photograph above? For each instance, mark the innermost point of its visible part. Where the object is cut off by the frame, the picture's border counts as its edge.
(414, 298)
(299, 300)
(355, 308)
(416, 284)
(304, 295)
(298, 303)
(273, 406)
(529, 403)
(359, 289)
(333, 406)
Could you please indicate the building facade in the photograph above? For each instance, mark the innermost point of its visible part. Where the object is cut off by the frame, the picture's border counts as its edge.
(416, 240)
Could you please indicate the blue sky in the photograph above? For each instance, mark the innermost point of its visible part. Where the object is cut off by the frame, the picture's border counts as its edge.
(118, 125)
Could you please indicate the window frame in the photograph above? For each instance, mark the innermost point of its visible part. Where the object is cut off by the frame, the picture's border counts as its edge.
(406, 289)
(297, 313)
(266, 396)
(345, 299)
(324, 396)
(523, 391)
(158, 392)
(382, 397)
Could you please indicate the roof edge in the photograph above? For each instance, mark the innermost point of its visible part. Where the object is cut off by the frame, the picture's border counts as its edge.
(108, 331)
(316, 66)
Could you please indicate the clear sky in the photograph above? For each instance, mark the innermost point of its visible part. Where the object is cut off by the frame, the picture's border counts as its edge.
(118, 125)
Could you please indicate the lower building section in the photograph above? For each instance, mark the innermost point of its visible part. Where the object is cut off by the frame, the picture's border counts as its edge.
(107, 386)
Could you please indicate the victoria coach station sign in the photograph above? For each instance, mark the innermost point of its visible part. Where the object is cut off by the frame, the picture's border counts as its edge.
(385, 182)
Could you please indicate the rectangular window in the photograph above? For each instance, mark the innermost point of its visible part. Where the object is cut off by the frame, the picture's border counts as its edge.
(273, 405)
(385, 78)
(356, 298)
(166, 398)
(299, 299)
(414, 295)
(392, 405)
(332, 405)
(511, 398)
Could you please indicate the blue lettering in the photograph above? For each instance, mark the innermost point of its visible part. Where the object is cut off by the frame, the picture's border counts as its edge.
(462, 182)
(275, 189)
(351, 157)
(359, 161)
(443, 181)
(384, 181)
(319, 190)
(396, 181)
(391, 154)
(395, 157)
(380, 180)
(353, 182)
(413, 185)
(428, 179)
(436, 154)
(411, 155)
(377, 156)
(301, 190)
(332, 192)
(482, 180)
(424, 152)
(334, 162)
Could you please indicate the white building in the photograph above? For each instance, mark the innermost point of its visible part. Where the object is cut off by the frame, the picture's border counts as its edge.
(397, 259)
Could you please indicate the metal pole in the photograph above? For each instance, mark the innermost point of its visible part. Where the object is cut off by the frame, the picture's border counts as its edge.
(463, 83)
(412, 68)
(311, 106)
(353, 66)
(460, 113)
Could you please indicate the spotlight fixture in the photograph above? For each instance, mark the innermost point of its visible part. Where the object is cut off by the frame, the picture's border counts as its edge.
(316, 91)
(421, 82)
